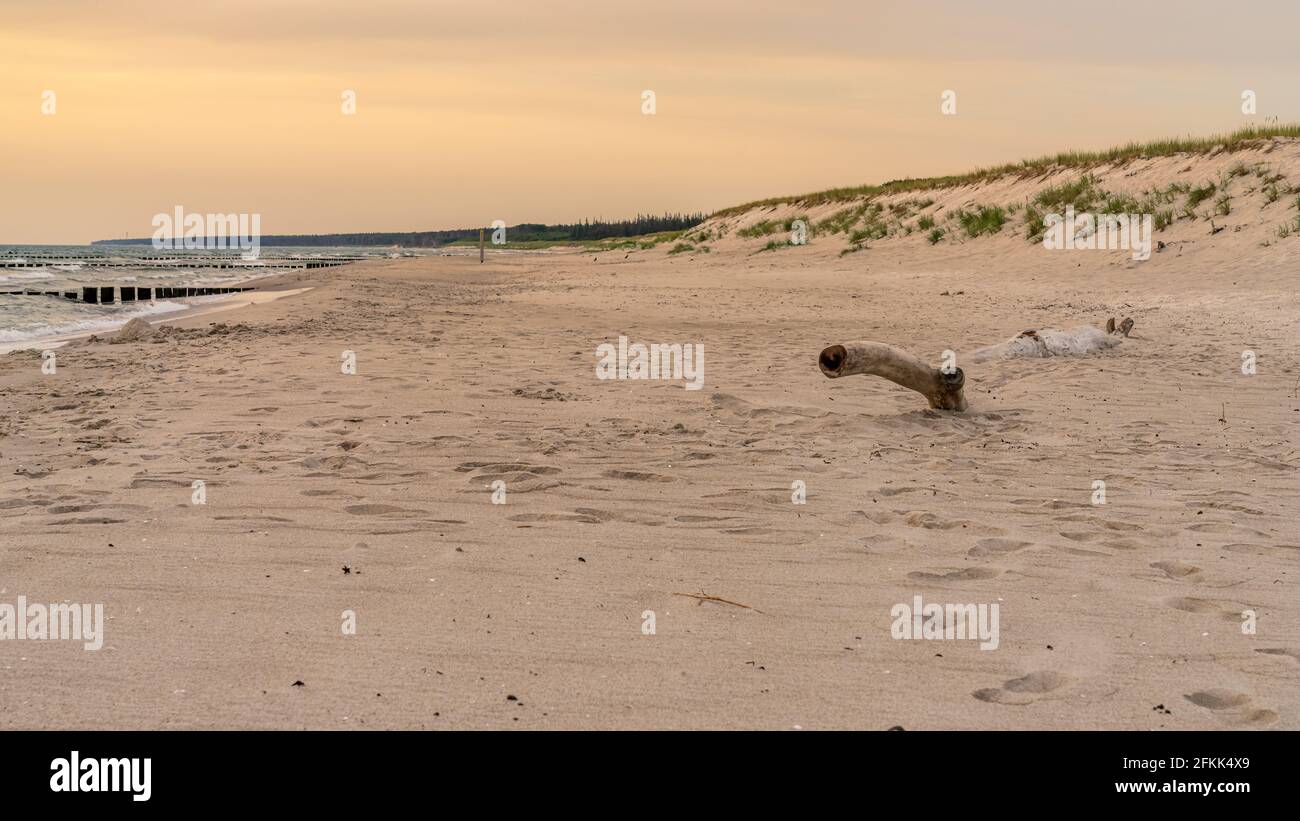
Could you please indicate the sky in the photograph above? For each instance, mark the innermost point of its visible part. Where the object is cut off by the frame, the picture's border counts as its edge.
(534, 111)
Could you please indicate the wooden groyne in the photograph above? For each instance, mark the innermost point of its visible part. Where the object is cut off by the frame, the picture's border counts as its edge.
(216, 265)
(109, 294)
(182, 257)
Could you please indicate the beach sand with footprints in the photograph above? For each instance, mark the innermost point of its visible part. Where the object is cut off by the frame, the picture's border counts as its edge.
(624, 500)
(371, 492)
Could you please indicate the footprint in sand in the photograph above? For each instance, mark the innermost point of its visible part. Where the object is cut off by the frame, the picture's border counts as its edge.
(1081, 535)
(1232, 707)
(485, 468)
(61, 509)
(1179, 570)
(996, 547)
(1061, 504)
(378, 510)
(929, 521)
(1224, 528)
(584, 518)
(886, 545)
(154, 481)
(967, 574)
(1024, 690)
(1218, 699)
(88, 520)
(1294, 655)
(1124, 544)
(10, 504)
(1229, 611)
(521, 477)
(636, 476)
(886, 492)
(331, 464)
(619, 516)
(1107, 524)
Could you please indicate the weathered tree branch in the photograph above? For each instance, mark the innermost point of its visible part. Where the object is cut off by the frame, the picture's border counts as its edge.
(941, 390)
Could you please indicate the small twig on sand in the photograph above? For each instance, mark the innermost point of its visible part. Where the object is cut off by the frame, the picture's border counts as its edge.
(706, 597)
(1223, 412)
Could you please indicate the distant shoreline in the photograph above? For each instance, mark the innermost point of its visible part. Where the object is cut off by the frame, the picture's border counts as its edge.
(586, 231)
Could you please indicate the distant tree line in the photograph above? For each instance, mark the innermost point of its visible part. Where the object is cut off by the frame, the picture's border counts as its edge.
(524, 232)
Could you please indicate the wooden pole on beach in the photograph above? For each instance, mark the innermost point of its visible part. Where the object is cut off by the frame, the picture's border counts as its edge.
(480, 246)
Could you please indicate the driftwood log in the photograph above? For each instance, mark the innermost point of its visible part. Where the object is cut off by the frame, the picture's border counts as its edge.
(943, 390)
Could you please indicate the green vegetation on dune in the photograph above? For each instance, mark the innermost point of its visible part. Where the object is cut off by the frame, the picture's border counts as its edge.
(641, 242)
(872, 230)
(687, 248)
(762, 228)
(988, 219)
(651, 240)
(844, 219)
(1199, 195)
(1081, 195)
(1236, 141)
(866, 215)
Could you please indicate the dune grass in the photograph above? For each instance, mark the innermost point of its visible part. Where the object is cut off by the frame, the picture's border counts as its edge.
(1200, 194)
(989, 219)
(1083, 194)
(1034, 224)
(688, 248)
(762, 228)
(1235, 141)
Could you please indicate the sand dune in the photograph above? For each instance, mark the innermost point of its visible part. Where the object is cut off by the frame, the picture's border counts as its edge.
(372, 492)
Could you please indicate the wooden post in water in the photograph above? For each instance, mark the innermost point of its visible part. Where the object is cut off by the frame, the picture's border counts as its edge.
(480, 246)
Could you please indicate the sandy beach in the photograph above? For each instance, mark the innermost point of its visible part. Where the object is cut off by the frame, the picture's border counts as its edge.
(627, 501)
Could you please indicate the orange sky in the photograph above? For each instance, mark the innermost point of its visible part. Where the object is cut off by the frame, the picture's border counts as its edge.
(531, 112)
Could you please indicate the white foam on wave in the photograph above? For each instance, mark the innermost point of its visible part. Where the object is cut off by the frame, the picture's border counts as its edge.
(104, 323)
(28, 274)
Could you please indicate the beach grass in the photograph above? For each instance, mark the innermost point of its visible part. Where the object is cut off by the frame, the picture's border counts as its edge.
(1235, 141)
(988, 219)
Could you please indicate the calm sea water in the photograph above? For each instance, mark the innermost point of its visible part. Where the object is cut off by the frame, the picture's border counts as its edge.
(26, 318)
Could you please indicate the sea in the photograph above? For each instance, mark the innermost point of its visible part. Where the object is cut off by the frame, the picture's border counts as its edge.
(29, 318)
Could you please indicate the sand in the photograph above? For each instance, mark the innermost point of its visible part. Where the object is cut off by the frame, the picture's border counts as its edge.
(372, 493)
